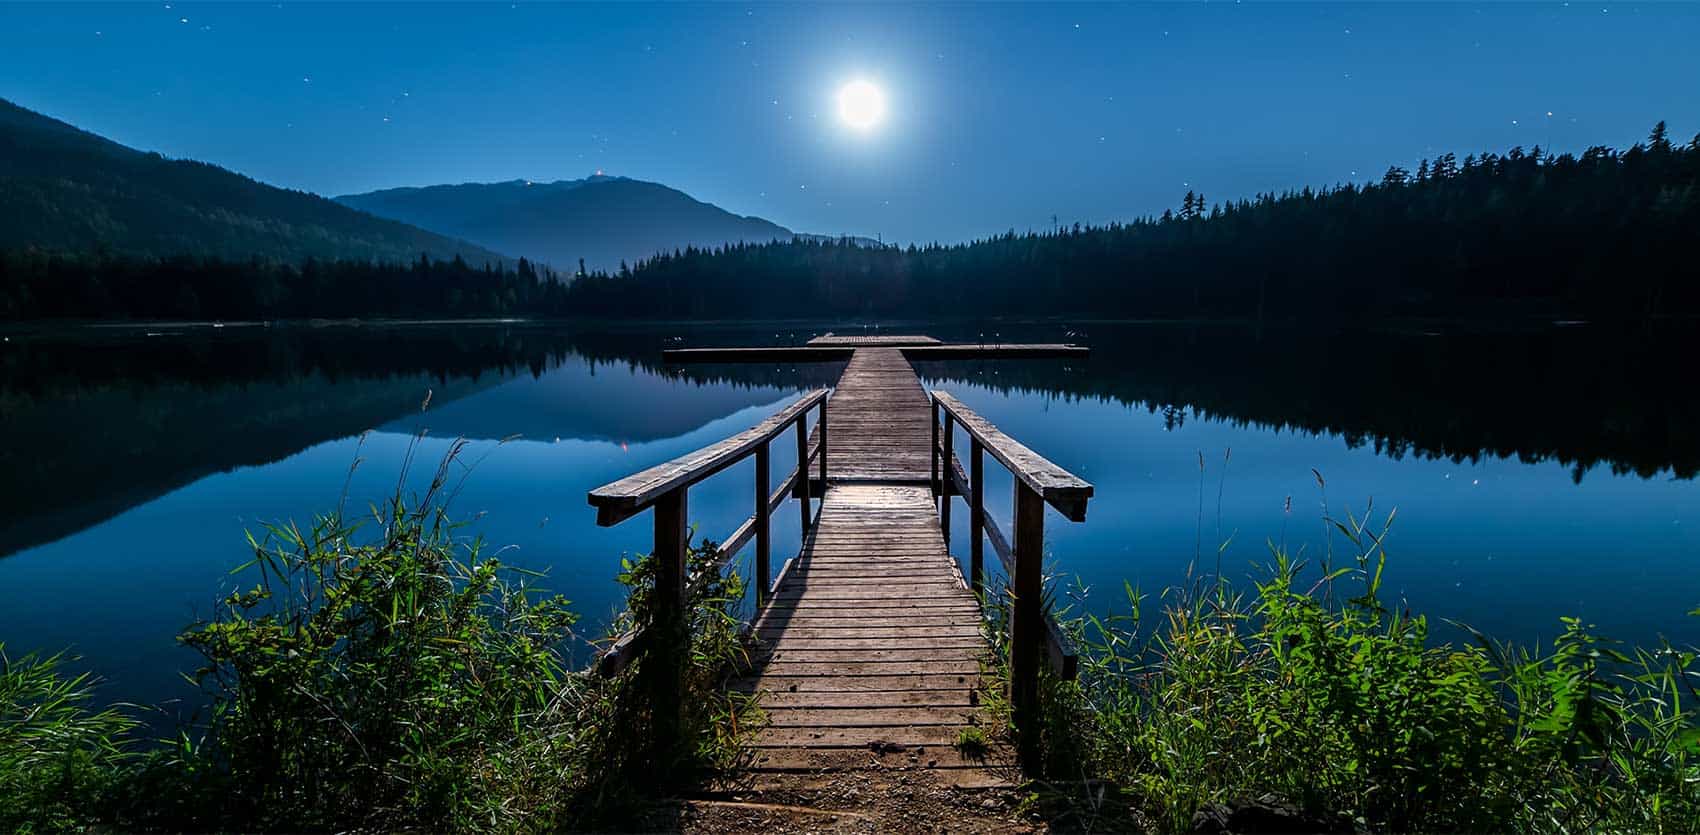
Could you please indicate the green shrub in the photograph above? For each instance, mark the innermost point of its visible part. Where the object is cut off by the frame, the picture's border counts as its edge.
(406, 680)
(1349, 706)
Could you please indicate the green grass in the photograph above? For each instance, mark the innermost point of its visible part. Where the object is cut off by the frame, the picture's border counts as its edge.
(384, 676)
(58, 755)
(972, 743)
(1310, 687)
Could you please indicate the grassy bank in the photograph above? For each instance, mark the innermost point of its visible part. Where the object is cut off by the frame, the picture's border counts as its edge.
(381, 676)
(393, 675)
(1310, 696)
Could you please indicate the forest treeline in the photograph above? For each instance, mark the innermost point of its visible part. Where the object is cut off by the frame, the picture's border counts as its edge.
(45, 285)
(1604, 234)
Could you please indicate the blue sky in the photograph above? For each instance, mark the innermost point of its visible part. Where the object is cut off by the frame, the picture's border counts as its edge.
(1000, 116)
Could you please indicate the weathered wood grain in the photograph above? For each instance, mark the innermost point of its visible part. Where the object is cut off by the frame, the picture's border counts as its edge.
(872, 640)
(1059, 488)
(864, 341)
(620, 500)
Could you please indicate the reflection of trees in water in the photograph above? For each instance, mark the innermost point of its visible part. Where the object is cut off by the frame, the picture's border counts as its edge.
(117, 419)
(1582, 397)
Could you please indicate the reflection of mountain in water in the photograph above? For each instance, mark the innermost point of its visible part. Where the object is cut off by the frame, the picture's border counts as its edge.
(584, 400)
(101, 423)
(96, 425)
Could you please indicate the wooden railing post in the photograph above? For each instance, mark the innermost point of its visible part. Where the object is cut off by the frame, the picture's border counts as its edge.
(667, 633)
(1027, 626)
(822, 424)
(803, 470)
(933, 451)
(947, 459)
(977, 515)
(764, 534)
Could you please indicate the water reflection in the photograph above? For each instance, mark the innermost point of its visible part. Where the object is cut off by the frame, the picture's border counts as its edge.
(1538, 472)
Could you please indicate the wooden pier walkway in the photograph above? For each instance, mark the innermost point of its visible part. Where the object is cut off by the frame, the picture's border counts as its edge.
(869, 644)
(872, 646)
(879, 429)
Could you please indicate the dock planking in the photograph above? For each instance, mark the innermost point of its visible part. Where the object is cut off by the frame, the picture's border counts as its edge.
(880, 341)
(880, 427)
(870, 647)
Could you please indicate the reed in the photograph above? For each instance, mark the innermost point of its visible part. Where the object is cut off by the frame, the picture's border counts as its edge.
(1351, 712)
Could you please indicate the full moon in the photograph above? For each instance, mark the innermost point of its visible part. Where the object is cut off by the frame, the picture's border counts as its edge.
(861, 105)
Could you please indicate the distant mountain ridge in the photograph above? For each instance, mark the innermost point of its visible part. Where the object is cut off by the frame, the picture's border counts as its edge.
(65, 189)
(600, 219)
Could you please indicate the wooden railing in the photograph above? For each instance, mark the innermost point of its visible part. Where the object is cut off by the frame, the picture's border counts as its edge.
(1038, 482)
(665, 487)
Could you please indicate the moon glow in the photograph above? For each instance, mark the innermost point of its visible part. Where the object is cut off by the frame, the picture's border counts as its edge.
(861, 105)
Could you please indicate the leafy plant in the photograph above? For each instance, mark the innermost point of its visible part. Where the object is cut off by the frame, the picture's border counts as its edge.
(1349, 706)
(58, 757)
(405, 679)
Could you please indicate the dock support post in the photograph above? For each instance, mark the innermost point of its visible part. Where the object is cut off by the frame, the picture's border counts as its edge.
(947, 459)
(1027, 626)
(803, 470)
(822, 424)
(764, 534)
(977, 517)
(933, 451)
(666, 652)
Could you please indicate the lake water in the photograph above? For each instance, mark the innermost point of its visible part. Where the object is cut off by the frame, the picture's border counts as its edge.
(1536, 473)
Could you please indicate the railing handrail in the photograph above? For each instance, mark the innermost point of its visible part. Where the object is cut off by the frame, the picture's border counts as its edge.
(618, 501)
(664, 487)
(1059, 488)
(1033, 631)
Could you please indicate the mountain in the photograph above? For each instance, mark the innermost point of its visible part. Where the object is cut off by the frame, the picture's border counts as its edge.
(603, 220)
(65, 189)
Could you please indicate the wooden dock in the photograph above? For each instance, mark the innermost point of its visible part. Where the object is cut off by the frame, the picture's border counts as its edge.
(869, 644)
(879, 430)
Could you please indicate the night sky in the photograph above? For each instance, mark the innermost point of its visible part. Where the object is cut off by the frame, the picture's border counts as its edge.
(999, 116)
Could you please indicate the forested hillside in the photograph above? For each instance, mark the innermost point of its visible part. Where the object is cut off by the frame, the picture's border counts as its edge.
(69, 191)
(1606, 233)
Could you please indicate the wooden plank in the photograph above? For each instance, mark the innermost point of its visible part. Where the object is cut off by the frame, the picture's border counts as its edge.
(905, 682)
(961, 697)
(879, 422)
(620, 500)
(888, 738)
(889, 716)
(872, 758)
(865, 341)
(871, 639)
(870, 668)
(1058, 487)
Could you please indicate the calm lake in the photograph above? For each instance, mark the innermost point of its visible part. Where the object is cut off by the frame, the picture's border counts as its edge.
(1536, 473)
